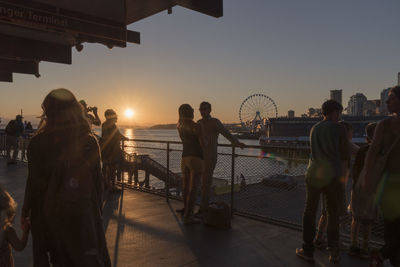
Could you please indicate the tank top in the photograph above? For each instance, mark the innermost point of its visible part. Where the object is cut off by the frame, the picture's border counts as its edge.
(190, 141)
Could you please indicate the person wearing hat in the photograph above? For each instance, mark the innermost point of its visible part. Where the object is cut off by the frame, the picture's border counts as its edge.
(110, 148)
(14, 130)
(95, 120)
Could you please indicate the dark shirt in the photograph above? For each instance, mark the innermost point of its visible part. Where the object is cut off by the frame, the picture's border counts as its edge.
(190, 141)
(110, 141)
(329, 147)
(359, 163)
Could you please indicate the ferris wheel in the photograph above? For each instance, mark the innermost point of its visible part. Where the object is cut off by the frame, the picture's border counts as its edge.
(256, 108)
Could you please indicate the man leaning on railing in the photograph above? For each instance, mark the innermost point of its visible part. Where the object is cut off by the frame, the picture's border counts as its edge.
(210, 129)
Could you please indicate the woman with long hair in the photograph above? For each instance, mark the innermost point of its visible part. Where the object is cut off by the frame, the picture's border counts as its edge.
(63, 194)
(386, 140)
(192, 160)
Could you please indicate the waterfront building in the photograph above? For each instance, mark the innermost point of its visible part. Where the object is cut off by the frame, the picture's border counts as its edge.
(384, 96)
(301, 126)
(371, 107)
(356, 104)
(314, 112)
(290, 114)
(337, 95)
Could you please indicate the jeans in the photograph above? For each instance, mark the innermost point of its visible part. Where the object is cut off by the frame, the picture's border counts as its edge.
(12, 143)
(206, 182)
(333, 200)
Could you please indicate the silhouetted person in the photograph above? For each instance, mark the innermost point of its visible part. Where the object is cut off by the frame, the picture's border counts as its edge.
(329, 156)
(8, 236)
(63, 194)
(28, 126)
(14, 130)
(111, 148)
(360, 224)
(388, 187)
(93, 119)
(211, 128)
(192, 160)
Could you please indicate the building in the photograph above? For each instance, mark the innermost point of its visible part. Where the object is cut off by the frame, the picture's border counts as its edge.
(384, 96)
(290, 114)
(356, 104)
(296, 127)
(314, 112)
(372, 107)
(337, 95)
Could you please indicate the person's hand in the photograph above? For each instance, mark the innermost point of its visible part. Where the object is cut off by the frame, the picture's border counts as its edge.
(94, 109)
(241, 145)
(25, 224)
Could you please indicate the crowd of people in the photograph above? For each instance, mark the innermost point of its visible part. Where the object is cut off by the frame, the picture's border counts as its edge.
(70, 169)
(376, 185)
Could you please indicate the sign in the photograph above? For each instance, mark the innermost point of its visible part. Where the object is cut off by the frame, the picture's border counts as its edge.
(38, 19)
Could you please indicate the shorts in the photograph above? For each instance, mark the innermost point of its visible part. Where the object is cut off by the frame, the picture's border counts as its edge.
(194, 164)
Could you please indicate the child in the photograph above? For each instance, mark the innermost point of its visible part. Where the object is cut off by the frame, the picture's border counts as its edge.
(8, 236)
(355, 250)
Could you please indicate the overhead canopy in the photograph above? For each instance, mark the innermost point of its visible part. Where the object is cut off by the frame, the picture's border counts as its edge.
(46, 30)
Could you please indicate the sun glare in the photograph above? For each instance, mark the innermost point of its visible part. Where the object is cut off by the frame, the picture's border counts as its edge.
(129, 113)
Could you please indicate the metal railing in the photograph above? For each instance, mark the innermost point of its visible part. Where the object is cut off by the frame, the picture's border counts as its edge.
(263, 183)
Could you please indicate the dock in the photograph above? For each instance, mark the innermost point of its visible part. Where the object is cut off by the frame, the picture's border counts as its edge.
(143, 229)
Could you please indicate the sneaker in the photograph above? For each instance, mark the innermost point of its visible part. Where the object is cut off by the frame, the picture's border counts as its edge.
(376, 259)
(334, 255)
(190, 220)
(320, 243)
(305, 255)
(354, 251)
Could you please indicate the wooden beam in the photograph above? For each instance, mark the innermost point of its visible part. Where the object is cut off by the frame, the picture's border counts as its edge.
(27, 49)
(19, 66)
(6, 77)
(209, 7)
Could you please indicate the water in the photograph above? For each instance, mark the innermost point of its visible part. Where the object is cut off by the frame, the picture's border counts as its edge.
(249, 163)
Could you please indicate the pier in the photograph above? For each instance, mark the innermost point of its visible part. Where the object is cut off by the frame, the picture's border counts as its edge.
(143, 230)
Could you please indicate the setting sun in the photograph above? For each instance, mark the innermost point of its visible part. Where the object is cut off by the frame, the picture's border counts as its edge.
(129, 113)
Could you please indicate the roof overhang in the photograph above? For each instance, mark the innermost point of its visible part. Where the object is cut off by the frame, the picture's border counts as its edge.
(46, 30)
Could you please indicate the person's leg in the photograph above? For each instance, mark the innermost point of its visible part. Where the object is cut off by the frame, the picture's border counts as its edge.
(310, 211)
(9, 141)
(15, 149)
(320, 237)
(185, 179)
(355, 229)
(206, 181)
(334, 202)
(366, 233)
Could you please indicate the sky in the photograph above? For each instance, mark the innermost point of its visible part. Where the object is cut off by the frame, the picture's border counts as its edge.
(292, 51)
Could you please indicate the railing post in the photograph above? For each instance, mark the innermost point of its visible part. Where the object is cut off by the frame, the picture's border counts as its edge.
(167, 180)
(232, 178)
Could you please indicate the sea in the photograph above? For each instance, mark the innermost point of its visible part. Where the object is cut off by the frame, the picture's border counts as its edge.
(253, 164)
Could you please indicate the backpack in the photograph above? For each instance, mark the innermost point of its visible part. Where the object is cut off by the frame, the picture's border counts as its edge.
(218, 215)
(71, 188)
(11, 128)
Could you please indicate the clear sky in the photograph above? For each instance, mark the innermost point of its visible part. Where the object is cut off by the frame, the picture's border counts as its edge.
(293, 51)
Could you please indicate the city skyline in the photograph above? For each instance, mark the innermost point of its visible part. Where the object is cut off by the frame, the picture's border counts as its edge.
(294, 53)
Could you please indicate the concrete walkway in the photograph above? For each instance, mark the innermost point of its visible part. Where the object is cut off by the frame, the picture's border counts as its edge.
(143, 230)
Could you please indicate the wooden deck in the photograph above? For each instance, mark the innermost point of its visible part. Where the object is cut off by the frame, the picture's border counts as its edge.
(143, 230)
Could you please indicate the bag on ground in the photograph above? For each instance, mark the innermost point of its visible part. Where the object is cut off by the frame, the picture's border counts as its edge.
(218, 215)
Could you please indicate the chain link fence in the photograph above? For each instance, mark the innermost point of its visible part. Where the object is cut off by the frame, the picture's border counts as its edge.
(267, 185)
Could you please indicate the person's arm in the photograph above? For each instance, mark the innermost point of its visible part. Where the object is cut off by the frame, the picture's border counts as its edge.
(33, 173)
(344, 151)
(96, 120)
(372, 154)
(13, 239)
(98, 180)
(222, 130)
(199, 133)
